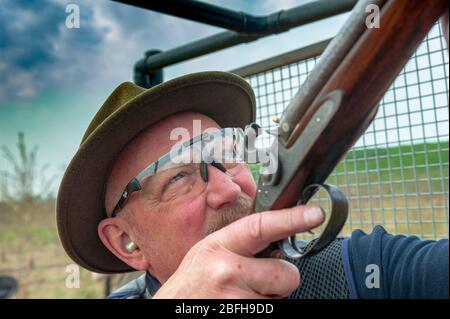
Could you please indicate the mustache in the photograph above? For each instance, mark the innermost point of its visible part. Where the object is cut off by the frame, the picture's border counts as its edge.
(241, 207)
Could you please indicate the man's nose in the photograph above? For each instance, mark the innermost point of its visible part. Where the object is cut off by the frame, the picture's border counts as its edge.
(220, 189)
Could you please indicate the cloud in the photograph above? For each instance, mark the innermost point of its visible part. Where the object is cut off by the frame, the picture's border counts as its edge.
(38, 52)
(35, 47)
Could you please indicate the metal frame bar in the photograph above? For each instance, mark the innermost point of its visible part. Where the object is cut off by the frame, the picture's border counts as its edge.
(204, 13)
(274, 23)
(242, 22)
(283, 59)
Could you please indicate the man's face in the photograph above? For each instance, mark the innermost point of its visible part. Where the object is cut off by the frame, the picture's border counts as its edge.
(166, 224)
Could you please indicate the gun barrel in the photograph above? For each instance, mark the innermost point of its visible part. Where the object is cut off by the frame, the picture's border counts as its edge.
(331, 58)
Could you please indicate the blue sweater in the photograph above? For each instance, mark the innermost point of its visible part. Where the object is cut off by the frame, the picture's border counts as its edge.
(406, 266)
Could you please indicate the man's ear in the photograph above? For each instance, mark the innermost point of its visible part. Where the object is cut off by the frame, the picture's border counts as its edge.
(116, 239)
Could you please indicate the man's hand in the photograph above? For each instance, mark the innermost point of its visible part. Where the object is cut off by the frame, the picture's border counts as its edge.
(222, 265)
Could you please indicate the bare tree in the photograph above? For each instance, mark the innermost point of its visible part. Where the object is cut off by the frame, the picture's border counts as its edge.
(20, 183)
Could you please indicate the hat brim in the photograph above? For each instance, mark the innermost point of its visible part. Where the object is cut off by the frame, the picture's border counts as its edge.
(226, 98)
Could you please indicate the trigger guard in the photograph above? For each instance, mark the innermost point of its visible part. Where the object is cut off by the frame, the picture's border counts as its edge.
(338, 216)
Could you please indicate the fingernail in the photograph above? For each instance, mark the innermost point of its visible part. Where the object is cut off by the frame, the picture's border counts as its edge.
(313, 215)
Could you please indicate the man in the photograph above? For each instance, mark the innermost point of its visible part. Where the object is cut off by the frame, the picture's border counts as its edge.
(124, 206)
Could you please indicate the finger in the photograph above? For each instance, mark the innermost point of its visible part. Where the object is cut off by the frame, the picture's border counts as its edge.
(270, 277)
(251, 234)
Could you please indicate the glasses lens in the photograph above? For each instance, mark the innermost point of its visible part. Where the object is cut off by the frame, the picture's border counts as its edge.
(226, 147)
(172, 182)
(177, 172)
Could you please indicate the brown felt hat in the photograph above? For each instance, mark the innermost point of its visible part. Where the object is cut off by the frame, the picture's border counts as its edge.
(226, 98)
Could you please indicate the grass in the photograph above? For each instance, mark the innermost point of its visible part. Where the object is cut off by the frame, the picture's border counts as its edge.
(397, 157)
(403, 188)
(418, 163)
(406, 164)
(31, 252)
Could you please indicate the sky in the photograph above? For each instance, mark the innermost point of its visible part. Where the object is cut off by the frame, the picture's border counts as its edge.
(53, 79)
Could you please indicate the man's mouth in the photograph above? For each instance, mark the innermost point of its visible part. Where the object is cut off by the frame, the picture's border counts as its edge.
(225, 216)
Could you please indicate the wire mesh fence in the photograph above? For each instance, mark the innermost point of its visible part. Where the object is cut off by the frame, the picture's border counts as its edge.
(396, 175)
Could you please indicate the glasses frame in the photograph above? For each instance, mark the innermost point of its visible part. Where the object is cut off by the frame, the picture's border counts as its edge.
(134, 184)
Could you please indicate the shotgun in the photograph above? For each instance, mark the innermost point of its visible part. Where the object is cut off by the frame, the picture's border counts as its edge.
(334, 107)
